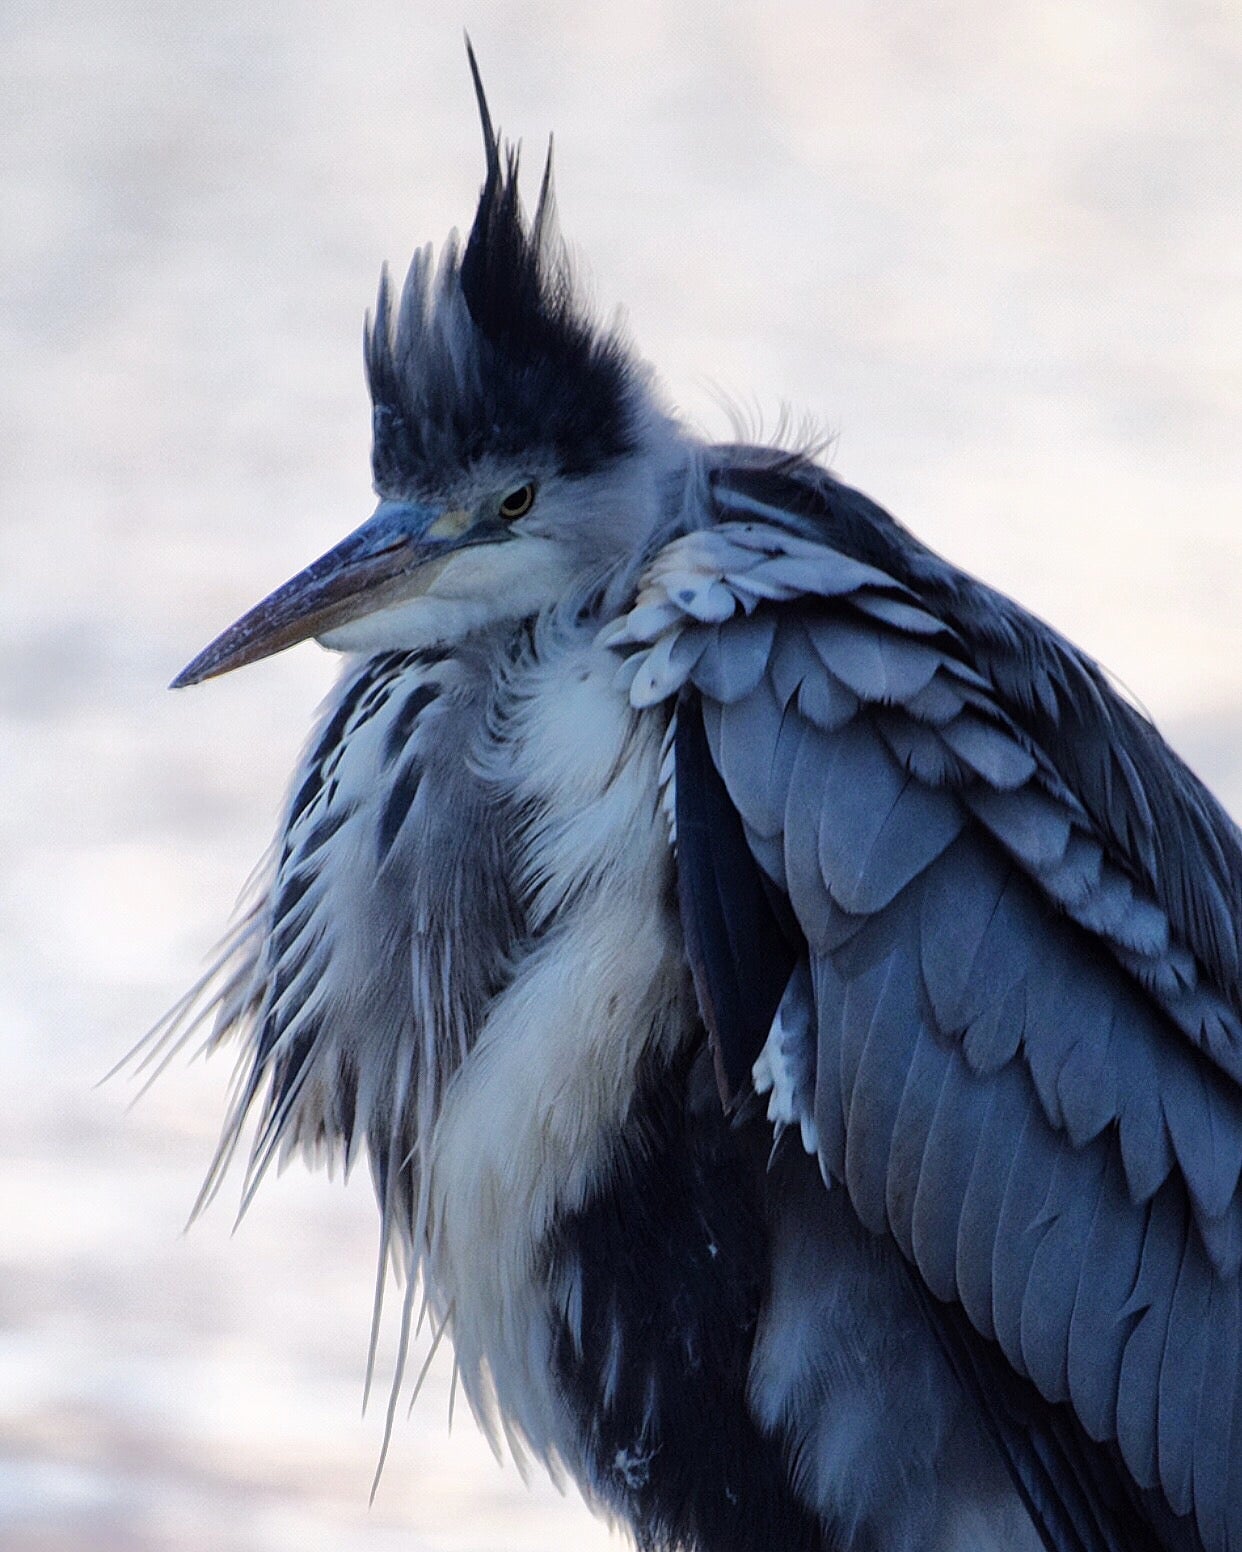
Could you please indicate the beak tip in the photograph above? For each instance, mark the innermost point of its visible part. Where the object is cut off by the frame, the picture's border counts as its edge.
(193, 673)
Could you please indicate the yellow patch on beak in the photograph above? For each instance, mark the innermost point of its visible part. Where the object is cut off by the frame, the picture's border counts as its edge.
(451, 524)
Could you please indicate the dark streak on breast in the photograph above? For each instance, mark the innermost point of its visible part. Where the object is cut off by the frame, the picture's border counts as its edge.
(396, 807)
(403, 723)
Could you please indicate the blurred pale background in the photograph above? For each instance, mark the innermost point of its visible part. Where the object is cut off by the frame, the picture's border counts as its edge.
(994, 248)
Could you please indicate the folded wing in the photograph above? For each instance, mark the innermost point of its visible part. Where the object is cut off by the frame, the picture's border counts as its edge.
(1018, 912)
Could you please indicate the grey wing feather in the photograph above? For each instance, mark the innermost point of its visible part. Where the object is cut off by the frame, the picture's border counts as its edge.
(828, 988)
(874, 1005)
(1048, 1299)
(1107, 1270)
(727, 674)
(1164, 1245)
(983, 1197)
(890, 843)
(1182, 1378)
(1022, 917)
(944, 1174)
(1217, 1416)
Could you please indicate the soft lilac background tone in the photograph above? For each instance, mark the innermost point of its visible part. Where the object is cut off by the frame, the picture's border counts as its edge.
(995, 248)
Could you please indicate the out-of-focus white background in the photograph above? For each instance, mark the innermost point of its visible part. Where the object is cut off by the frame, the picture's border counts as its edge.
(994, 247)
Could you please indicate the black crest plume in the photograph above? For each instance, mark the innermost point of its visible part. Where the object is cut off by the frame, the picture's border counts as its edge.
(514, 286)
(542, 375)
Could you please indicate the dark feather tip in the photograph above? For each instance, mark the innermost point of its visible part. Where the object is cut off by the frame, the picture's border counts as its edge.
(490, 142)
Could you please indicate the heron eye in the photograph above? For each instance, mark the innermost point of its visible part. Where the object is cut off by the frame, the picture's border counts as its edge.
(517, 503)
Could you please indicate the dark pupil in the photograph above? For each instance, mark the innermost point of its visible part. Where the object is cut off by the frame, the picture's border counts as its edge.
(518, 502)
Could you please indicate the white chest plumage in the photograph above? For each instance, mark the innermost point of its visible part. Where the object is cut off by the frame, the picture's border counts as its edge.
(418, 982)
(528, 1122)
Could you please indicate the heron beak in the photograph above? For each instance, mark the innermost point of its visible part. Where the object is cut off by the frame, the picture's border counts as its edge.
(366, 571)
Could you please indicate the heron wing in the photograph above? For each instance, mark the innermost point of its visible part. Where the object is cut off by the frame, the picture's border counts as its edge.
(1022, 1046)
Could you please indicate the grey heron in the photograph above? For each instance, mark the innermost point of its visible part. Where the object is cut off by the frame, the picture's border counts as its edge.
(788, 1000)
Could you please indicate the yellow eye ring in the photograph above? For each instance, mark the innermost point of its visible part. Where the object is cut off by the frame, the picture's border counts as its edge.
(517, 503)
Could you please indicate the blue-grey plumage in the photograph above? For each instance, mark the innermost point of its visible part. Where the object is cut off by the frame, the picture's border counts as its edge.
(788, 1000)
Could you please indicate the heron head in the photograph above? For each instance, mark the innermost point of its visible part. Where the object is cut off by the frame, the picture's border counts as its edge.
(518, 450)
